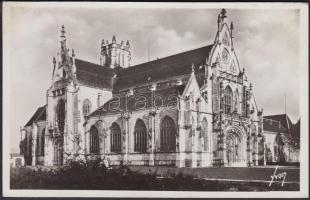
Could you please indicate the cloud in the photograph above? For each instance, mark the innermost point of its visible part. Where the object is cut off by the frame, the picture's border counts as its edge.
(266, 43)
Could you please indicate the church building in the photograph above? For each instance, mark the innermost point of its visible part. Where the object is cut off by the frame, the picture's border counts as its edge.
(192, 109)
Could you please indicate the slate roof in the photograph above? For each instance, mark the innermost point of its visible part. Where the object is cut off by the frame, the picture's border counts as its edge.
(273, 126)
(39, 115)
(283, 119)
(102, 109)
(162, 69)
(94, 75)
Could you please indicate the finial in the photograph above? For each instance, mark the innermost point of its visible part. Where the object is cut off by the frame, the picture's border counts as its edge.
(122, 43)
(107, 41)
(243, 70)
(54, 60)
(73, 54)
(231, 26)
(113, 39)
(102, 43)
(63, 31)
(127, 44)
(223, 13)
(193, 67)
(250, 86)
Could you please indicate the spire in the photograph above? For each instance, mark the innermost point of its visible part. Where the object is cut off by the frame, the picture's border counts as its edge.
(113, 39)
(193, 68)
(218, 21)
(54, 66)
(231, 28)
(223, 14)
(122, 43)
(127, 44)
(63, 32)
(63, 51)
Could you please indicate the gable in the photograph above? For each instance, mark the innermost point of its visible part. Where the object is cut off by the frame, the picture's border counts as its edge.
(223, 53)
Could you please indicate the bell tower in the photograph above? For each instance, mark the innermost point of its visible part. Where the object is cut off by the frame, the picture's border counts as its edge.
(115, 54)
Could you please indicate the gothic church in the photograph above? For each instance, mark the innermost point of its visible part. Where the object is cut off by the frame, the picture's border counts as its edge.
(192, 109)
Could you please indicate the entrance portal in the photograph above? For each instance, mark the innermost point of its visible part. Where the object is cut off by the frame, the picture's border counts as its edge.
(235, 148)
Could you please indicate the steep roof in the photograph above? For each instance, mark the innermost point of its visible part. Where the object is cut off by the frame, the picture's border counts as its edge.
(273, 126)
(127, 103)
(94, 75)
(283, 119)
(39, 115)
(161, 69)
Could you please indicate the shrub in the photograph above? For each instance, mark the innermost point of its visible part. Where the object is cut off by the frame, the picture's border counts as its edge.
(91, 174)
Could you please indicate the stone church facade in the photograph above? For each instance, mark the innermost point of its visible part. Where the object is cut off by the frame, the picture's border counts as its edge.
(192, 109)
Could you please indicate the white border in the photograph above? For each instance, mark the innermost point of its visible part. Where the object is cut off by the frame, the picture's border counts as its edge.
(304, 175)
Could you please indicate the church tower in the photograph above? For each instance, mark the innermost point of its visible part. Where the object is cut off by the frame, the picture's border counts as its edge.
(115, 55)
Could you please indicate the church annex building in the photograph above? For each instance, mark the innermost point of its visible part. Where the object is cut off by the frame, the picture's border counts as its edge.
(192, 109)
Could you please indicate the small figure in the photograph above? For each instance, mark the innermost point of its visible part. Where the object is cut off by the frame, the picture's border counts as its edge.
(106, 163)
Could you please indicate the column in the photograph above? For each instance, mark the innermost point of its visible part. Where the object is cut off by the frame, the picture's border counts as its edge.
(34, 144)
(194, 149)
(249, 151)
(152, 149)
(255, 159)
(224, 153)
(180, 155)
(126, 118)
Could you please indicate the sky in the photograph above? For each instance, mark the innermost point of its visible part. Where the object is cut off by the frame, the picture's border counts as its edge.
(266, 43)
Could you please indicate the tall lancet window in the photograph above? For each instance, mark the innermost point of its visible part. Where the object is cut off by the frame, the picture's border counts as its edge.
(94, 140)
(167, 135)
(86, 107)
(236, 102)
(228, 100)
(61, 115)
(116, 141)
(140, 137)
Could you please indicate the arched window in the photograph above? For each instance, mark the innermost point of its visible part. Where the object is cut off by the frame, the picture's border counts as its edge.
(61, 115)
(116, 144)
(86, 107)
(227, 100)
(204, 129)
(40, 143)
(94, 140)
(140, 137)
(167, 135)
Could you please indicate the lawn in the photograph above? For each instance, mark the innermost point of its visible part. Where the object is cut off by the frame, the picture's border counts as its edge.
(94, 176)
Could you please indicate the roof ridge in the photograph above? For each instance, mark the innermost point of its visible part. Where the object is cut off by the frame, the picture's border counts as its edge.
(177, 54)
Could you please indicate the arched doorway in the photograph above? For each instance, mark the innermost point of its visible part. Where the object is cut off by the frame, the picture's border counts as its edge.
(235, 147)
(58, 152)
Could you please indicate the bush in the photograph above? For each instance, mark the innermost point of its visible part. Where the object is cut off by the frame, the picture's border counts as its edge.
(93, 175)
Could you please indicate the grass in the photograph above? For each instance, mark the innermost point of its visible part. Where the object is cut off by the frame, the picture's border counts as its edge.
(80, 175)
